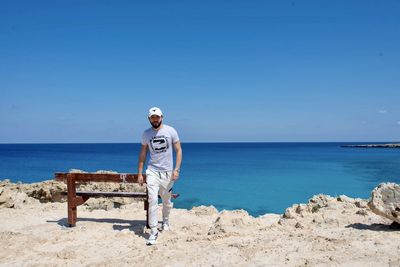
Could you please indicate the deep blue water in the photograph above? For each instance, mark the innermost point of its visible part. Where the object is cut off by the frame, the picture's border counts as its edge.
(258, 177)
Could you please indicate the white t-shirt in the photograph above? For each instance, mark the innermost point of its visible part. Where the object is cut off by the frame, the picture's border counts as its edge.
(160, 145)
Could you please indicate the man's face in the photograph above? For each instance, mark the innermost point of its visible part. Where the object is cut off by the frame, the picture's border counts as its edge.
(155, 121)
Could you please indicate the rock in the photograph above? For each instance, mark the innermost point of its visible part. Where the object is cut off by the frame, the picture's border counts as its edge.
(100, 204)
(235, 221)
(204, 210)
(331, 221)
(315, 208)
(344, 198)
(46, 191)
(336, 205)
(349, 203)
(318, 219)
(316, 203)
(320, 200)
(299, 225)
(385, 201)
(302, 209)
(290, 212)
(13, 199)
(110, 187)
(362, 212)
(360, 203)
(5, 182)
(269, 219)
(296, 210)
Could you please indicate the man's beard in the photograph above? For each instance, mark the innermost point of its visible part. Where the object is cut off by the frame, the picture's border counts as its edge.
(155, 124)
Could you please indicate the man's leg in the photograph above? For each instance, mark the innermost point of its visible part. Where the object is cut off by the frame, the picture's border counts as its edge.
(165, 193)
(153, 187)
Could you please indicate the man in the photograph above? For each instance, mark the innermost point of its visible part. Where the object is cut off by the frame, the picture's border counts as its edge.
(159, 140)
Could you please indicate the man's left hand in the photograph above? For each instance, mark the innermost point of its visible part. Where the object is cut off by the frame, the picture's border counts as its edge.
(175, 175)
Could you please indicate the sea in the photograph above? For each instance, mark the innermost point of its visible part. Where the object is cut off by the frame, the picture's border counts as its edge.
(257, 177)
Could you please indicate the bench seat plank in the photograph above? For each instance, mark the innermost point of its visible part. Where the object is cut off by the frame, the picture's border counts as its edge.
(99, 177)
(109, 194)
(114, 194)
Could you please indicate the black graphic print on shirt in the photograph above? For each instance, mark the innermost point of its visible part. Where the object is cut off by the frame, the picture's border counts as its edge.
(159, 144)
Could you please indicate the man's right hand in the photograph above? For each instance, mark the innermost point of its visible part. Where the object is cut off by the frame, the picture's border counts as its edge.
(140, 179)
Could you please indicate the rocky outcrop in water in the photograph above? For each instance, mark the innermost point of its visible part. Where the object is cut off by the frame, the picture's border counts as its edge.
(375, 145)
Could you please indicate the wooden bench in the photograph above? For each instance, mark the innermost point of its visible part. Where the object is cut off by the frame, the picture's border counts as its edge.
(76, 198)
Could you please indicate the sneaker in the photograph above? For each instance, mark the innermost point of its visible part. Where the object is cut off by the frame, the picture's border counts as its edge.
(165, 226)
(152, 238)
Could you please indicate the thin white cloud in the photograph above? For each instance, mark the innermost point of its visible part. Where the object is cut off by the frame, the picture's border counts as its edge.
(398, 122)
(382, 111)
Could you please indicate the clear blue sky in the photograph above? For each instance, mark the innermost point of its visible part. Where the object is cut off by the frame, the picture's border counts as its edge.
(87, 71)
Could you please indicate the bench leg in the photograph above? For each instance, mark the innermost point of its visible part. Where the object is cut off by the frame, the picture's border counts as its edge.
(73, 209)
(71, 201)
(72, 215)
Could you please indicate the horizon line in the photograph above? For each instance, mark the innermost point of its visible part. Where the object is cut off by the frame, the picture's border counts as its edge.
(198, 142)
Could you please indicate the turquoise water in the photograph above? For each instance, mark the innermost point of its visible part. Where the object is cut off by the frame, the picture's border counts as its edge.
(258, 177)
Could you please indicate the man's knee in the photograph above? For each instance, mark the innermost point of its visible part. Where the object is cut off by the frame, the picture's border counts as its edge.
(166, 198)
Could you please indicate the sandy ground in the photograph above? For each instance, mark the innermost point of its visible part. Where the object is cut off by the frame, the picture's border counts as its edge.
(325, 232)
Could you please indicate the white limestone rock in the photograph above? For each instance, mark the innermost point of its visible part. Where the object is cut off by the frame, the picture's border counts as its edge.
(385, 201)
(14, 199)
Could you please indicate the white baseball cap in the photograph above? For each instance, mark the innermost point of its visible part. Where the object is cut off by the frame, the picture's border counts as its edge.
(155, 111)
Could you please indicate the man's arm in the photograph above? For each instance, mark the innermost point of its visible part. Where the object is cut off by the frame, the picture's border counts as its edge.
(142, 159)
(178, 150)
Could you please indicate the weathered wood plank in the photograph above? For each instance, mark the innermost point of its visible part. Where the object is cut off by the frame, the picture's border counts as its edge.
(99, 177)
(114, 194)
(111, 194)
